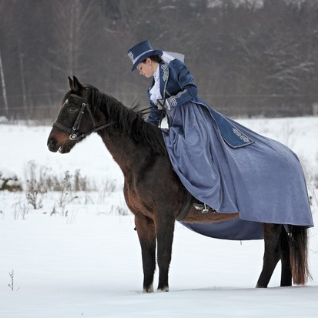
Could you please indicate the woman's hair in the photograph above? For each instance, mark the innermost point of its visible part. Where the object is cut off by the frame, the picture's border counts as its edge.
(155, 58)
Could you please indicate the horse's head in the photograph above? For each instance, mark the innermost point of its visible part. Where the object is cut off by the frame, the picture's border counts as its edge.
(75, 120)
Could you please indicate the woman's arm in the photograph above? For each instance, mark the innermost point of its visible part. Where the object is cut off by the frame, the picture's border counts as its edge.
(188, 90)
(155, 114)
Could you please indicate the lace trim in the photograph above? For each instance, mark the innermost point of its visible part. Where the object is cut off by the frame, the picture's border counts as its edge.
(173, 99)
(165, 72)
(241, 135)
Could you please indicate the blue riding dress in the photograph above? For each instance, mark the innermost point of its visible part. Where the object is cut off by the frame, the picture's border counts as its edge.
(226, 165)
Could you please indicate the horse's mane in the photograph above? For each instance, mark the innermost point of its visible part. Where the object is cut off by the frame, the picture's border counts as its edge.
(126, 120)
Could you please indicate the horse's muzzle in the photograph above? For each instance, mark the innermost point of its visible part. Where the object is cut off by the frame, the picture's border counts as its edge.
(52, 145)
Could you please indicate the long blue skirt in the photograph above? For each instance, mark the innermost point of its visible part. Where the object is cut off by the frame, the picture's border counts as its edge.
(262, 181)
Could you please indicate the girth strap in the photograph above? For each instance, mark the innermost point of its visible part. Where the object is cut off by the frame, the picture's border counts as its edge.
(186, 207)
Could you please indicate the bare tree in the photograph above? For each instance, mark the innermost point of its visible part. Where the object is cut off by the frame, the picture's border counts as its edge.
(248, 57)
(3, 86)
(2, 78)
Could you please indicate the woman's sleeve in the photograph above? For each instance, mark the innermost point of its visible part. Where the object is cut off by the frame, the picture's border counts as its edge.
(155, 114)
(188, 90)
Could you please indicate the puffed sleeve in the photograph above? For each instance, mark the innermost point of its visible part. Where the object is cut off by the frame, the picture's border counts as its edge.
(183, 78)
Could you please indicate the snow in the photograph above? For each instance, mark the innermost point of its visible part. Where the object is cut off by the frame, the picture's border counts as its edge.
(7, 177)
(3, 120)
(85, 261)
(7, 174)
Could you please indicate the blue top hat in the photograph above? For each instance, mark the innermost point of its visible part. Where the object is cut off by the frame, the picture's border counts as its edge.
(140, 52)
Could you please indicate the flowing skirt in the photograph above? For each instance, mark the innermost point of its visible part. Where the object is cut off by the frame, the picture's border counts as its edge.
(262, 181)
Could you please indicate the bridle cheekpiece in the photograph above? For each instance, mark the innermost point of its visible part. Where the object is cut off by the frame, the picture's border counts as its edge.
(74, 132)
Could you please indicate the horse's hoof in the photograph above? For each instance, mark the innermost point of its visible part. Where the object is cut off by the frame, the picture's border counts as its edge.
(148, 290)
(260, 286)
(163, 290)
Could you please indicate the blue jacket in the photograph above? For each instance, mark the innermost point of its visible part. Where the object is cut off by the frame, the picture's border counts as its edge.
(177, 87)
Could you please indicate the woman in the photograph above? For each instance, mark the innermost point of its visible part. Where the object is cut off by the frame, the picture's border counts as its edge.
(221, 163)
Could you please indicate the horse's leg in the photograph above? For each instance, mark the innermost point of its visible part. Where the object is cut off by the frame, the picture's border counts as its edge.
(147, 237)
(165, 229)
(286, 275)
(271, 254)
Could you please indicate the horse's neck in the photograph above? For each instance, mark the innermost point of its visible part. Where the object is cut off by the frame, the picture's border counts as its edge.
(122, 148)
(125, 150)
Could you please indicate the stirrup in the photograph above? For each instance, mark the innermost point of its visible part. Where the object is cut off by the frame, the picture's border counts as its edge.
(204, 208)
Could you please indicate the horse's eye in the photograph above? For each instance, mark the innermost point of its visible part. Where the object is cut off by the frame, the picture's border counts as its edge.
(71, 109)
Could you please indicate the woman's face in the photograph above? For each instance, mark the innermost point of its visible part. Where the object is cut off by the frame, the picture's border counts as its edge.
(147, 68)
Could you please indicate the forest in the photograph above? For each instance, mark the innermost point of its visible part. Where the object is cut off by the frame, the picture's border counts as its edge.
(248, 57)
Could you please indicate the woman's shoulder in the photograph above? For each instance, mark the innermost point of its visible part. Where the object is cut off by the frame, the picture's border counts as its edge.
(176, 66)
(176, 63)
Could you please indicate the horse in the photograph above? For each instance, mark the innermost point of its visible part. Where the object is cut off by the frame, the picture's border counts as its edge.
(152, 190)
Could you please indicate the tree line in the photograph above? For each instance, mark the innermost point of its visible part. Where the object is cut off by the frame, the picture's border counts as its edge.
(248, 57)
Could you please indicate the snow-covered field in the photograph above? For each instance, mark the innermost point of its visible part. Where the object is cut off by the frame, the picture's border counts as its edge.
(81, 258)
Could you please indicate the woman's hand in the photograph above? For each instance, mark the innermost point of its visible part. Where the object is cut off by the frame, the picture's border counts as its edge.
(160, 103)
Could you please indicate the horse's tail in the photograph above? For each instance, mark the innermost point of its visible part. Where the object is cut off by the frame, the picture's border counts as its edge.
(298, 245)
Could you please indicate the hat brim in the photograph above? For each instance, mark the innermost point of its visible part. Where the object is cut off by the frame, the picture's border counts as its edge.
(144, 56)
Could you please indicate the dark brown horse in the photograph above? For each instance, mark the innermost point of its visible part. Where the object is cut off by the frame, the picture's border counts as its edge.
(152, 190)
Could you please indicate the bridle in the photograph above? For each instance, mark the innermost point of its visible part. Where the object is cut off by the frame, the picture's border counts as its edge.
(75, 135)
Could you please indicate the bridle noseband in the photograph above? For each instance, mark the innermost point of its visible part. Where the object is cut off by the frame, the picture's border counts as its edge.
(75, 135)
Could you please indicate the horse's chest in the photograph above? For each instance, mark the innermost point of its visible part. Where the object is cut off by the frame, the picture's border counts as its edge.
(138, 201)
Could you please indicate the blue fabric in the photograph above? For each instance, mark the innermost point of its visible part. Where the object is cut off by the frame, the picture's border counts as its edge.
(229, 167)
(177, 87)
(228, 230)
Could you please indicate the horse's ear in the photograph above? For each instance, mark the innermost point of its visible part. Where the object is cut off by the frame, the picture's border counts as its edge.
(77, 85)
(71, 83)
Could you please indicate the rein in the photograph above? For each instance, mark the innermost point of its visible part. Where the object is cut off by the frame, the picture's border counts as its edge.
(75, 135)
